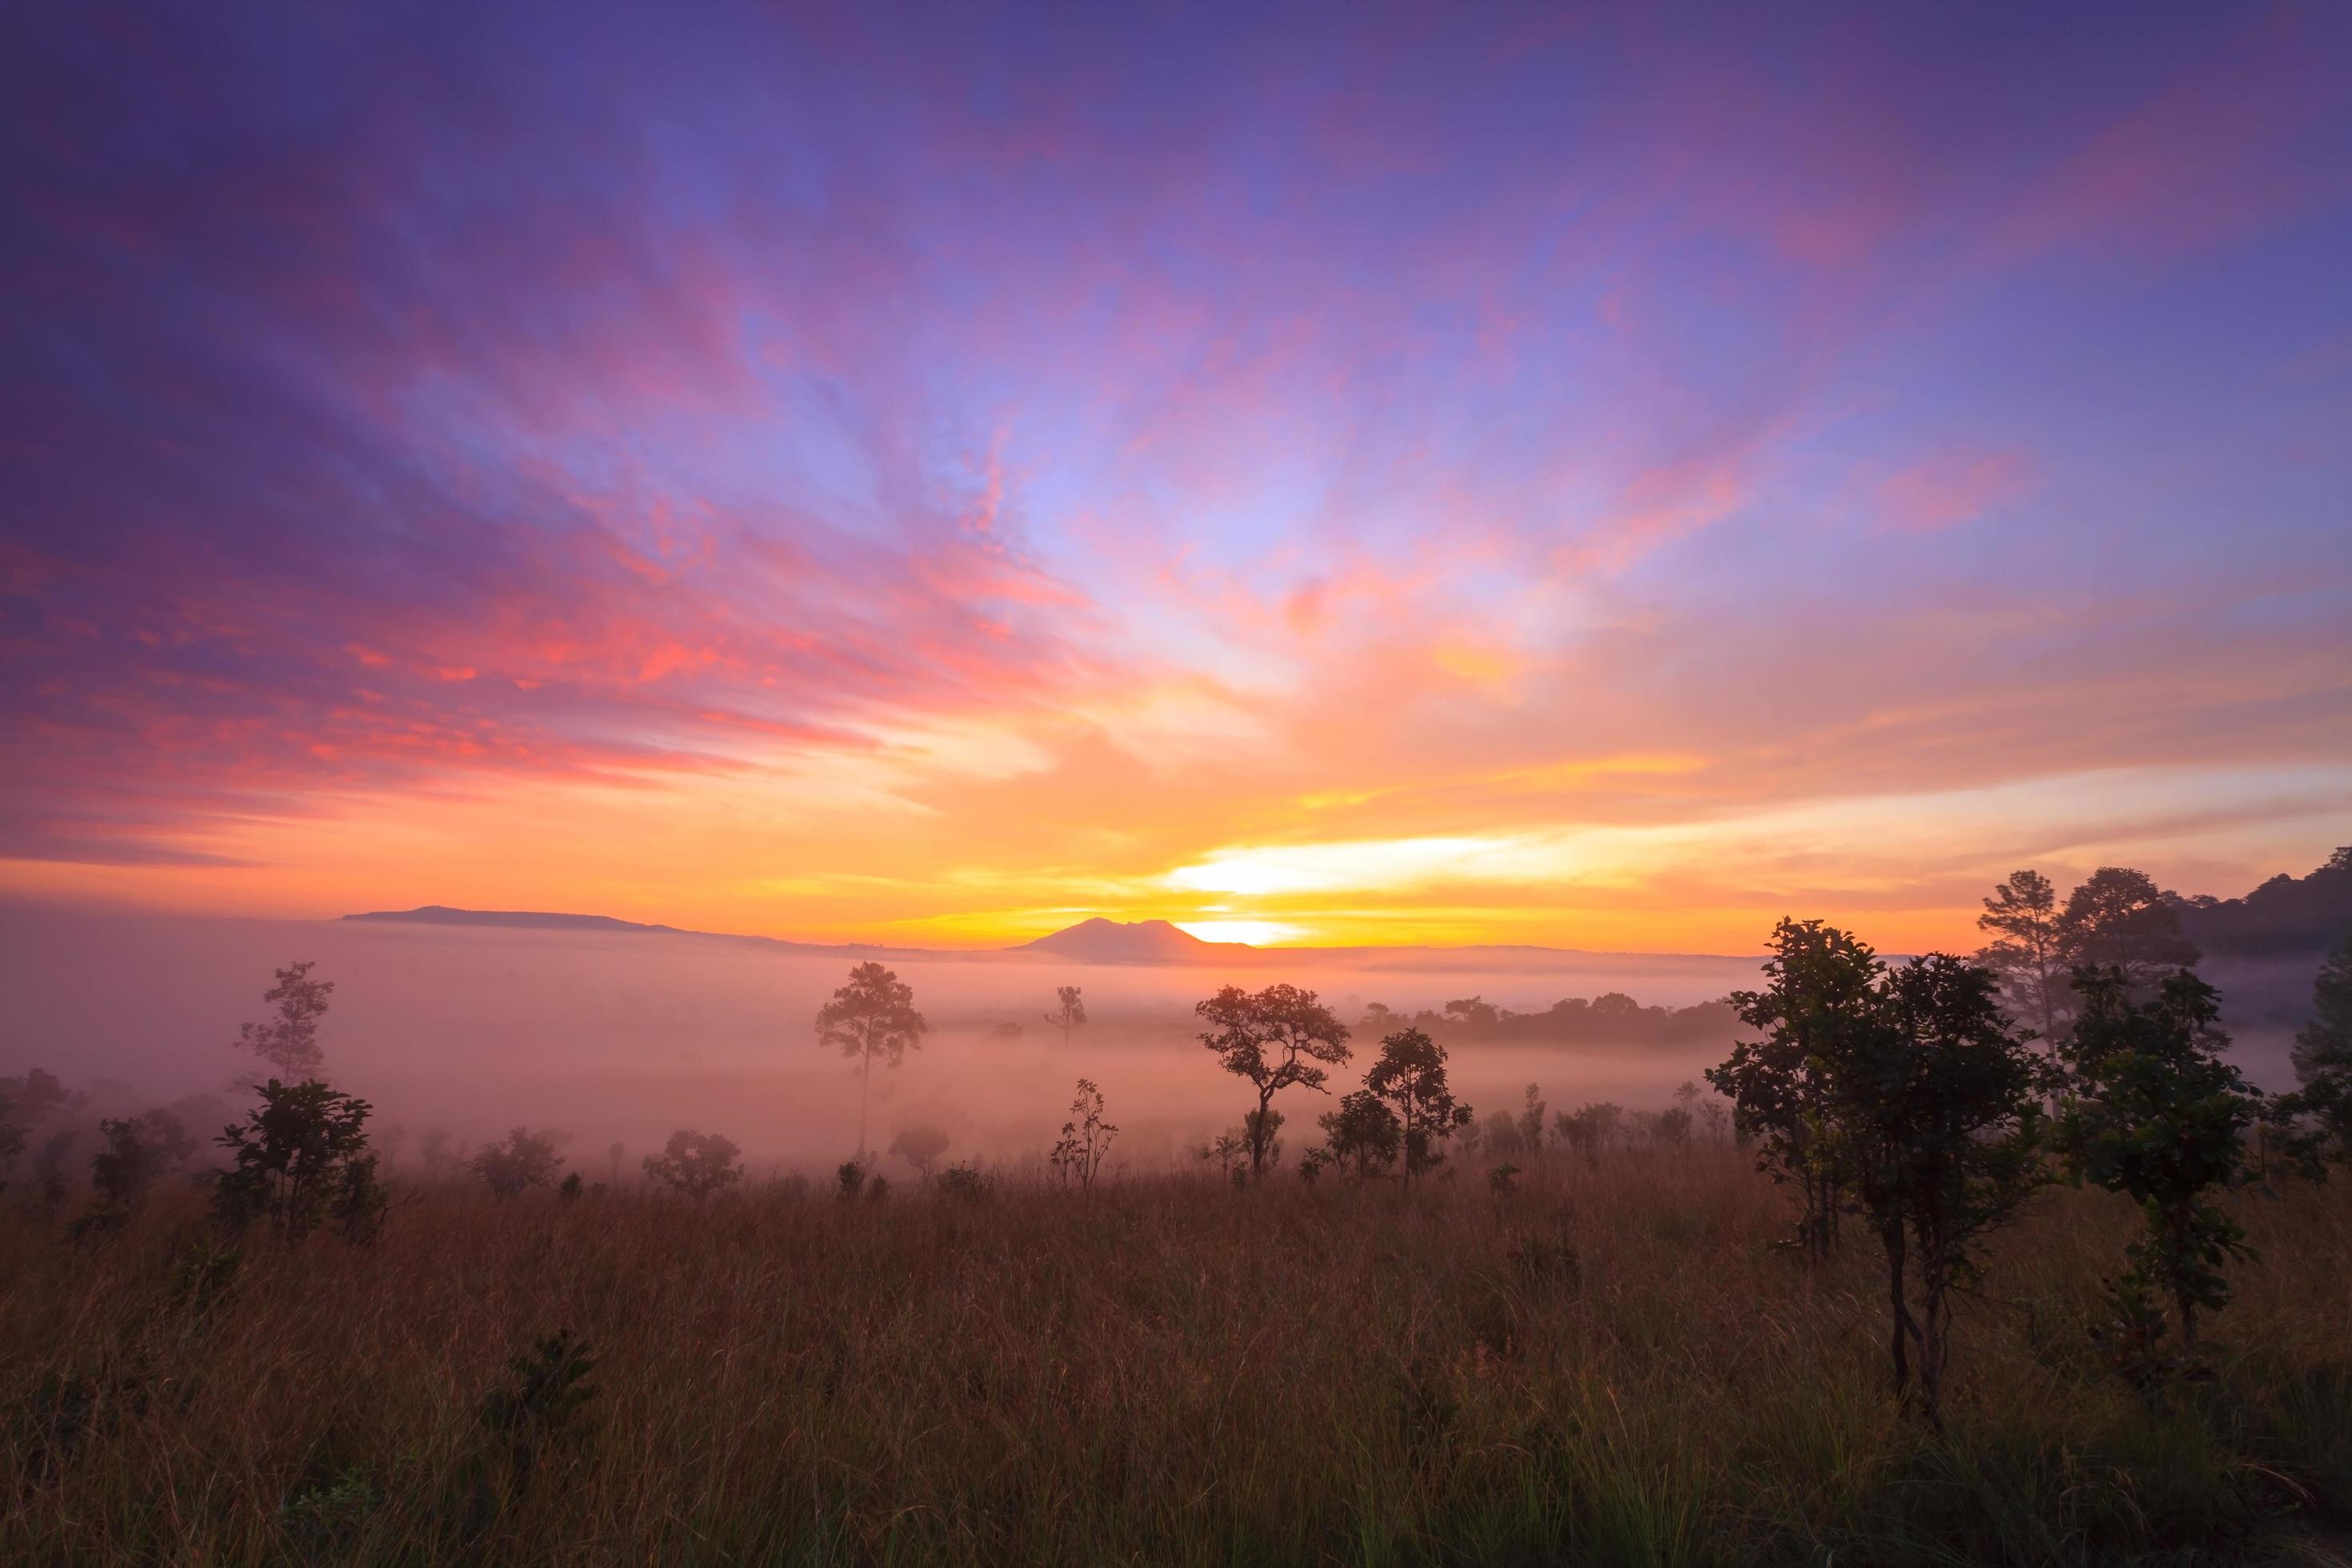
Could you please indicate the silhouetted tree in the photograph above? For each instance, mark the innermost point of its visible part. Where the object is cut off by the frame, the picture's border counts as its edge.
(2323, 1050)
(1821, 988)
(1069, 1012)
(1532, 1121)
(1671, 1127)
(139, 1149)
(290, 1157)
(1277, 1037)
(1360, 1136)
(1938, 1107)
(2120, 920)
(27, 1101)
(697, 1163)
(1410, 1075)
(1085, 1139)
(521, 1160)
(289, 1042)
(2027, 948)
(1591, 1127)
(920, 1146)
(2156, 1113)
(871, 1019)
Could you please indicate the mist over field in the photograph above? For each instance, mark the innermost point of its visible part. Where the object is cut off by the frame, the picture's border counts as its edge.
(626, 1037)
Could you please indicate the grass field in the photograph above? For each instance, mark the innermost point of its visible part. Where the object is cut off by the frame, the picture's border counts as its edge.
(1609, 1366)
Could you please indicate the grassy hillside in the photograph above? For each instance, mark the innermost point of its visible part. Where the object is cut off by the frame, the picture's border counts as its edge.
(1609, 1367)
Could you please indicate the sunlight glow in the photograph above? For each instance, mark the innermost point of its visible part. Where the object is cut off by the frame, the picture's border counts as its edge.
(1258, 933)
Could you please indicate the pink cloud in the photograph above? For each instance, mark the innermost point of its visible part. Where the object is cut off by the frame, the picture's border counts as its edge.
(1950, 488)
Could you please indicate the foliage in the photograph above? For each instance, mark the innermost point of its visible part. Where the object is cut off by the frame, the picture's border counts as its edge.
(1361, 1137)
(1939, 1112)
(870, 1018)
(518, 1162)
(546, 1388)
(1820, 991)
(697, 1163)
(962, 1181)
(849, 1179)
(920, 1146)
(1069, 1012)
(2027, 948)
(1086, 1140)
(2120, 920)
(1276, 1037)
(289, 1043)
(27, 1101)
(290, 1158)
(1410, 1075)
(139, 1150)
(2323, 1048)
(1589, 1128)
(2155, 1112)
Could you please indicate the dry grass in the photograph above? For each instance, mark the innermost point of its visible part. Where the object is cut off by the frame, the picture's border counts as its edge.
(1607, 1367)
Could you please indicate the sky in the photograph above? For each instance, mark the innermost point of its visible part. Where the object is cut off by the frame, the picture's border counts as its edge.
(1606, 476)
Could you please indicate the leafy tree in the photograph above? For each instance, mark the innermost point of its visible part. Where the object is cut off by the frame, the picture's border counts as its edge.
(1086, 1140)
(2323, 1050)
(1070, 1012)
(2027, 950)
(1360, 1136)
(1410, 1075)
(2156, 1113)
(139, 1149)
(290, 1157)
(1589, 1128)
(1671, 1127)
(1277, 1037)
(1500, 1135)
(521, 1160)
(1820, 990)
(920, 1146)
(698, 1163)
(1532, 1121)
(871, 1019)
(27, 1101)
(289, 1042)
(1940, 1111)
(2120, 920)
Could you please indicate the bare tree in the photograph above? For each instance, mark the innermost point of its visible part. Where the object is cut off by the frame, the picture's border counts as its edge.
(1085, 1139)
(871, 1019)
(1070, 1012)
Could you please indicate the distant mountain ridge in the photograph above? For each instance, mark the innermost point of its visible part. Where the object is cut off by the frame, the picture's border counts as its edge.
(1100, 941)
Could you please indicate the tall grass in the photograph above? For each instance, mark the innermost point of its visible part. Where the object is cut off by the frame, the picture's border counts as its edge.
(1606, 1367)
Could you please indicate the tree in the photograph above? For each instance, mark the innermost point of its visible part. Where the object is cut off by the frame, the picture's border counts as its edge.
(1532, 1121)
(697, 1163)
(1360, 1136)
(920, 1146)
(1069, 1014)
(522, 1160)
(2155, 1112)
(1589, 1128)
(2026, 950)
(1671, 1127)
(433, 1150)
(1277, 1037)
(139, 1149)
(290, 1156)
(2323, 1050)
(289, 1042)
(1411, 1075)
(2120, 920)
(871, 1019)
(1086, 1138)
(1939, 1110)
(1820, 988)
(27, 1101)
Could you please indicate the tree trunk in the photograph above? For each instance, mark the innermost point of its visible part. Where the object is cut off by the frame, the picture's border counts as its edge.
(865, 1082)
(1898, 1344)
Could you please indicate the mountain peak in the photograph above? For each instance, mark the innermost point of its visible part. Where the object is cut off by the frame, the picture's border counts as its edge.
(1100, 941)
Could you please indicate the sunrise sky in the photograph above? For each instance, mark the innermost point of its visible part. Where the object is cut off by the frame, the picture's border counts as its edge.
(1603, 476)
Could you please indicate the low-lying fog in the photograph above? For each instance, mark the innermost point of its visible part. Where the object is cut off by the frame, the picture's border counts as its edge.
(623, 1037)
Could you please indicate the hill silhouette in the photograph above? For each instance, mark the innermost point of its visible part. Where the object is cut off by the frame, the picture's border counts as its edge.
(1100, 941)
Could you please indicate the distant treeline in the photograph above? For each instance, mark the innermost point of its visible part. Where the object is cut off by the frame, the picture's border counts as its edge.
(1613, 1017)
(2284, 915)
